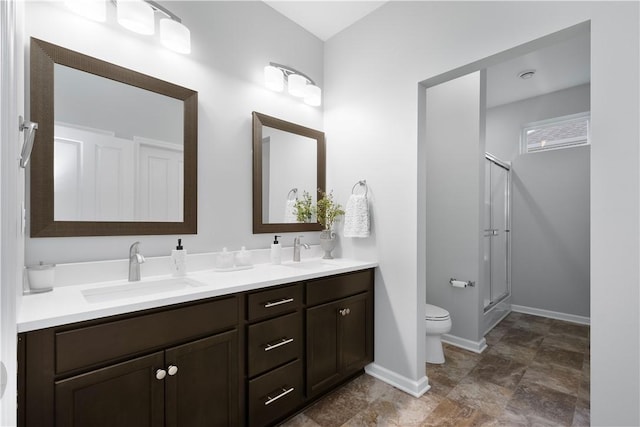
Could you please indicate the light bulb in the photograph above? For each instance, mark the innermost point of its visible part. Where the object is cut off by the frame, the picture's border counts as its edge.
(297, 85)
(273, 78)
(175, 36)
(136, 15)
(313, 95)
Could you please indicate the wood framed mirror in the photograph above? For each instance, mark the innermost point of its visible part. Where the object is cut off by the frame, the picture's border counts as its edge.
(288, 160)
(115, 151)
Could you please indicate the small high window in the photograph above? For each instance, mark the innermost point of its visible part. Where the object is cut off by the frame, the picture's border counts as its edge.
(559, 132)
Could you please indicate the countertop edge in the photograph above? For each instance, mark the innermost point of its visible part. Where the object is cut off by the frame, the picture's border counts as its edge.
(31, 318)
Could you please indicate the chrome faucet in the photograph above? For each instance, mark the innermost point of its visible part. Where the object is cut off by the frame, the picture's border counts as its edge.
(135, 259)
(296, 248)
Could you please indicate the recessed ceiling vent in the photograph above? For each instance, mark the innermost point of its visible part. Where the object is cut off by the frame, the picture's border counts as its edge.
(526, 74)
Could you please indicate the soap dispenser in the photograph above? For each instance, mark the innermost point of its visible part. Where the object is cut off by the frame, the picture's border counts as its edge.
(179, 260)
(276, 251)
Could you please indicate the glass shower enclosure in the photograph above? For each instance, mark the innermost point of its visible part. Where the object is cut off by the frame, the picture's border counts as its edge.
(497, 232)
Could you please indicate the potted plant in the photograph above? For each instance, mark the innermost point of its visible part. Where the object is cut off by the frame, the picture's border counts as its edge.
(327, 211)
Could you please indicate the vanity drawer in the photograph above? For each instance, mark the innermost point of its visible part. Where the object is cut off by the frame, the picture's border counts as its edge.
(91, 345)
(275, 394)
(274, 301)
(335, 287)
(274, 342)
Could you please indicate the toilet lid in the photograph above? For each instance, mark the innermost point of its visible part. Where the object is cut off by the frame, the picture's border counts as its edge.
(433, 312)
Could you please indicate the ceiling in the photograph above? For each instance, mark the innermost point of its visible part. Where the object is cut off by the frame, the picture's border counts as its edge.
(325, 19)
(560, 66)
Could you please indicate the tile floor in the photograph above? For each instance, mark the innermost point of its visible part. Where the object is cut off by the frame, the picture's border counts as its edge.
(535, 372)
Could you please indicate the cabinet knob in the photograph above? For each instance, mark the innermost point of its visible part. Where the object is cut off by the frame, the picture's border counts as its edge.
(344, 311)
(172, 369)
(160, 374)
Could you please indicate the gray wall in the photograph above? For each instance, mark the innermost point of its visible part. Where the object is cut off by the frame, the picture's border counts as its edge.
(504, 122)
(550, 215)
(453, 214)
(551, 222)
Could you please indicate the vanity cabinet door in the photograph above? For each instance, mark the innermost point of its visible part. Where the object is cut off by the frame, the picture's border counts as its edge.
(339, 340)
(203, 389)
(127, 394)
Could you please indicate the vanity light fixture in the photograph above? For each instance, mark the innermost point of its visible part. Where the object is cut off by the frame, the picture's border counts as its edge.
(139, 16)
(298, 84)
(136, 16)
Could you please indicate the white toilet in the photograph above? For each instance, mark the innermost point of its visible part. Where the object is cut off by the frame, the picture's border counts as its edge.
(438, 322)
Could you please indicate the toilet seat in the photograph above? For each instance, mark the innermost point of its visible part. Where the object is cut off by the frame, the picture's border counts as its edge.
(435, 313)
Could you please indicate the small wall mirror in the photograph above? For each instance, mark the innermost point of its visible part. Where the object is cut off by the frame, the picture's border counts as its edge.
(116, 150)
(288, 160)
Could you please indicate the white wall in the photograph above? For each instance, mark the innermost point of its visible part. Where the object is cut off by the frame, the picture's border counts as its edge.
(231, 44)
(371, 119)
(504, 122)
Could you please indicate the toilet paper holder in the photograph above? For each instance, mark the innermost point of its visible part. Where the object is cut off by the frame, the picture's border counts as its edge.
(461, 283)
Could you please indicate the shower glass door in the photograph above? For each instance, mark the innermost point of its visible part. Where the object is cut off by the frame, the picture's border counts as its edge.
(496, 232)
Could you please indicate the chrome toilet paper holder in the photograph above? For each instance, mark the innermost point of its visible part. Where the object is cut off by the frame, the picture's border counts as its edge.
(461, 283)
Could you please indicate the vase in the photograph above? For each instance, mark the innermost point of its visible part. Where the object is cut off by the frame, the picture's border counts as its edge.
(327, 243)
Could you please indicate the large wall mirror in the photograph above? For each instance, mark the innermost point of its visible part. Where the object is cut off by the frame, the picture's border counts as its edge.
(115, 151)
(288, 160)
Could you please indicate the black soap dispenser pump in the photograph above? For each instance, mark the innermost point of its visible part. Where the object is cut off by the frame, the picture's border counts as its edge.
(179, 260)
(276, 251)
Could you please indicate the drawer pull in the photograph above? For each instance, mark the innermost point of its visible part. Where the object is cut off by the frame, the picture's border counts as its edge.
(275, 303)
(160, 374)
(345, 311)
(285, 391)
(282, 342)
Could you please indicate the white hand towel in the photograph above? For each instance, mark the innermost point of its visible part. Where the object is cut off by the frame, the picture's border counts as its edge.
(356, 216)
(290, 211)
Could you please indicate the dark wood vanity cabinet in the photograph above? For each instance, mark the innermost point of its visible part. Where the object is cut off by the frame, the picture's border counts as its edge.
(275, 353)
(171, 367)
(253, 359)
(339, 329)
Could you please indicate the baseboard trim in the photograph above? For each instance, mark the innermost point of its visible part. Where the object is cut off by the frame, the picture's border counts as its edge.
(551, 314)
(474, 346)
(414, 388)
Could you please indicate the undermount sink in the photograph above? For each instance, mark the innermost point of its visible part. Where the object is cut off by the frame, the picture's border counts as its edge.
(311, 264)
(137, 289)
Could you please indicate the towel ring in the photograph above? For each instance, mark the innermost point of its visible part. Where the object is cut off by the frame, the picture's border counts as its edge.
(295, 194)
(362, 183)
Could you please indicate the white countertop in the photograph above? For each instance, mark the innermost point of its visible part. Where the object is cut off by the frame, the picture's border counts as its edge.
(67, 304)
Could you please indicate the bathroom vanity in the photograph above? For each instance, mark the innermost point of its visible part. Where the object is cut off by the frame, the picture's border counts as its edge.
(251, 353)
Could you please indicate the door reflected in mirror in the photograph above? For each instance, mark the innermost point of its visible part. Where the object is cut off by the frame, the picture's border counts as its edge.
(119, 159)
(288, 162)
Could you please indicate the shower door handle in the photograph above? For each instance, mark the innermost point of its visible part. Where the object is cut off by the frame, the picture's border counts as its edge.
(490, 232)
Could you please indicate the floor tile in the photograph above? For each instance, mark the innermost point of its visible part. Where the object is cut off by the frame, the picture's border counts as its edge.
(482, 395)
(569, 359)
(556, 377)
(453, 414)
(523, 338)
(499, 370)
(514, 352)
(566, 342)
(569, 328)
(539, 401)
(300, 420)
(336, 408)
(496, 334)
